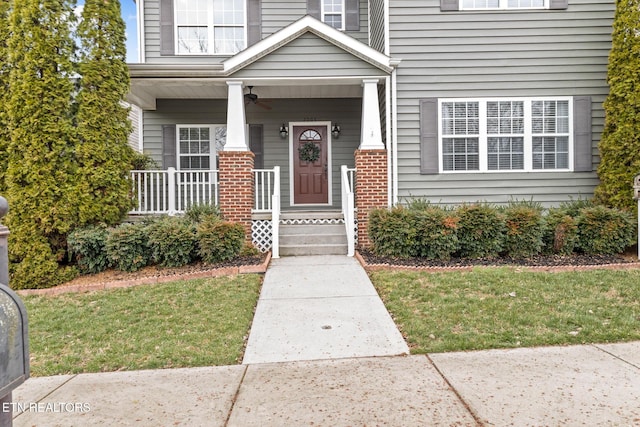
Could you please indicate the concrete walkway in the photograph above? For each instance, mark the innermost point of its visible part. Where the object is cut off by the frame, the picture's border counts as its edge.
(553, 386)
(320, 307)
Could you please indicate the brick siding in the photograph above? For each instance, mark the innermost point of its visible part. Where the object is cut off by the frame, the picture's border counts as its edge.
(236, 187)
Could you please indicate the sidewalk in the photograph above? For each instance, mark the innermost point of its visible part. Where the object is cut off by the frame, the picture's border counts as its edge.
(551, 386)
(309, 362)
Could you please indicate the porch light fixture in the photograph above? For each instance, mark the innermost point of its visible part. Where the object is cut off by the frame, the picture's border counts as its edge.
(335, 131)
(283, 131)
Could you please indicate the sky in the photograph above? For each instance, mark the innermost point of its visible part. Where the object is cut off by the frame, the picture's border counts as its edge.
(128, 8)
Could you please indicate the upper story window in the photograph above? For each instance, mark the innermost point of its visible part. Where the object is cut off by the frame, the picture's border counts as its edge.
(503, 4)
(205, 27)
(333, 13)
(520, 134)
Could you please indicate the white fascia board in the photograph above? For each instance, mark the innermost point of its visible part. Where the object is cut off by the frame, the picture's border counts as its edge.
(295, 30)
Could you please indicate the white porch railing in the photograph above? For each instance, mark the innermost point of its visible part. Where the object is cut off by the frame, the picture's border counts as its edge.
(171, 191)
(267, 199)
(348, 206)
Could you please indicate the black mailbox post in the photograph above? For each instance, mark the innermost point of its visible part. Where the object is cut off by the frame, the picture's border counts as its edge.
(14, 338)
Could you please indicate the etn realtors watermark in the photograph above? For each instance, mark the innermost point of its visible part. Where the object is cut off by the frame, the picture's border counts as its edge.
(47, 407)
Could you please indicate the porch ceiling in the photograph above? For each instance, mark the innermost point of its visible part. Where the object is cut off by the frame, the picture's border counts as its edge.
(146, 90)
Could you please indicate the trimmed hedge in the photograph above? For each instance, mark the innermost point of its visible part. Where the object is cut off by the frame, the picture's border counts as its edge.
(128, 247)
(560, 232)
(481, 231)
(524, 231)
(606, 231)
(173, 241)
(88, 246)
(219, 240)
(520, 230)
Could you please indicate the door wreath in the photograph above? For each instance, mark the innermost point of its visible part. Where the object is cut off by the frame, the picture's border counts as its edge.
(309, 152)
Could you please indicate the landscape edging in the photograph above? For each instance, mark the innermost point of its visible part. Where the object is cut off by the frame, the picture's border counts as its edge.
(125, 283)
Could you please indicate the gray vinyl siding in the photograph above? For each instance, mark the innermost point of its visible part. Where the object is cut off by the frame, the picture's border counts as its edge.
(345, 111)
(497, 54)
(278, 14)
(308, 56)
(275, 16)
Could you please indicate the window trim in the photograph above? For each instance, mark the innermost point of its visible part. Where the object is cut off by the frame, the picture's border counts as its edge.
(213, 152)
(210, 33)
(502, 6)
(343, 15)
(528, 134)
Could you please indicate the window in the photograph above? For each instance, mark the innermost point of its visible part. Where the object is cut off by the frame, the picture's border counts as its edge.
(210, 26)
(503, 4)
(333, 13)
(196, 150)
(522, 134)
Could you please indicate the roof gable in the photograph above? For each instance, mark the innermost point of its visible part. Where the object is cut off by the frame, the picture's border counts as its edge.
(292, 32)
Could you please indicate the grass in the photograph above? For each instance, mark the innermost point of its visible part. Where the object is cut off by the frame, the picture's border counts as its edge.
(506, 308)
(179, 324)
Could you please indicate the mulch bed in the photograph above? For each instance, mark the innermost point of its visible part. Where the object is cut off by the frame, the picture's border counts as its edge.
(111, 279)
(540, 262)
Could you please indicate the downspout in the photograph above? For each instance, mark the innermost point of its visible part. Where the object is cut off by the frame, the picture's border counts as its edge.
(394, 132)
(140, 22)
(391, 159)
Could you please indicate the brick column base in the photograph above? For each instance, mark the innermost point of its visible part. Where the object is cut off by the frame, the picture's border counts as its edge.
(235, 176)
(371, 188)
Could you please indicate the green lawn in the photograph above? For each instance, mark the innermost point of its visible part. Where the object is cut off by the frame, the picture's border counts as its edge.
(504, 308)
(186, 323)
(205, 322)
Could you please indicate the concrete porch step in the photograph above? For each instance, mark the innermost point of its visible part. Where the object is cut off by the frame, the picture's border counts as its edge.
(312, 233)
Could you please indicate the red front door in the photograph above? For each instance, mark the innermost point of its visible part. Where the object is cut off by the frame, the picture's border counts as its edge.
(310, 165)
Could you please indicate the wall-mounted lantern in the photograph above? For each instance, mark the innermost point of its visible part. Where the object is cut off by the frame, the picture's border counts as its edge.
(284, 132)
(335, 131)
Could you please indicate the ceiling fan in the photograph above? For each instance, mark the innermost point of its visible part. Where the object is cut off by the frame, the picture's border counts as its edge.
(253, 98)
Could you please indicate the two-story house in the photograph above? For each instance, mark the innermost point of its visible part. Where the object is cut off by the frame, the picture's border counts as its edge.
(451, 101)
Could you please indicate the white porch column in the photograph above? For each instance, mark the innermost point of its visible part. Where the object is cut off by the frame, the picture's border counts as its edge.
(371, 134)
(236, 121)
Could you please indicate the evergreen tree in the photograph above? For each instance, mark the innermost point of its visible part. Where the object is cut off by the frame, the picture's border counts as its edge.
(103, 155)
(620, 143)
(40, 153)
(4, 91)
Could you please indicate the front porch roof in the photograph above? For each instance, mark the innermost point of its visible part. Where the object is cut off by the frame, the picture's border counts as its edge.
(150, 82)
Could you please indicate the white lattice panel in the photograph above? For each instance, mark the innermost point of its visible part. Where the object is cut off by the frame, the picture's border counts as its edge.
(308, 221)
(261, 234)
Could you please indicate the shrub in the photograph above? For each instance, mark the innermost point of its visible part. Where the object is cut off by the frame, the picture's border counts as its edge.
(392, 232)
(88, 246)
(436, 233)
(172, 241)
(219, 240)
(197, 213)
(560, 232)
(573, 207)
(128, 247)
(481, 230)
(524, 231)
(605, 231)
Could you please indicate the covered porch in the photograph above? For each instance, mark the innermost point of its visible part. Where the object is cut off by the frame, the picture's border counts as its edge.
(277, 127)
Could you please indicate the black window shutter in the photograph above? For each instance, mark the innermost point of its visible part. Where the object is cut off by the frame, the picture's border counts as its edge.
(256, 145)
(582, 138)
(313, 8)
(558, 4)
(352, 16)
(167, 42)
(449, 5)
(254, 21)
(169, 153)
(429, 152)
